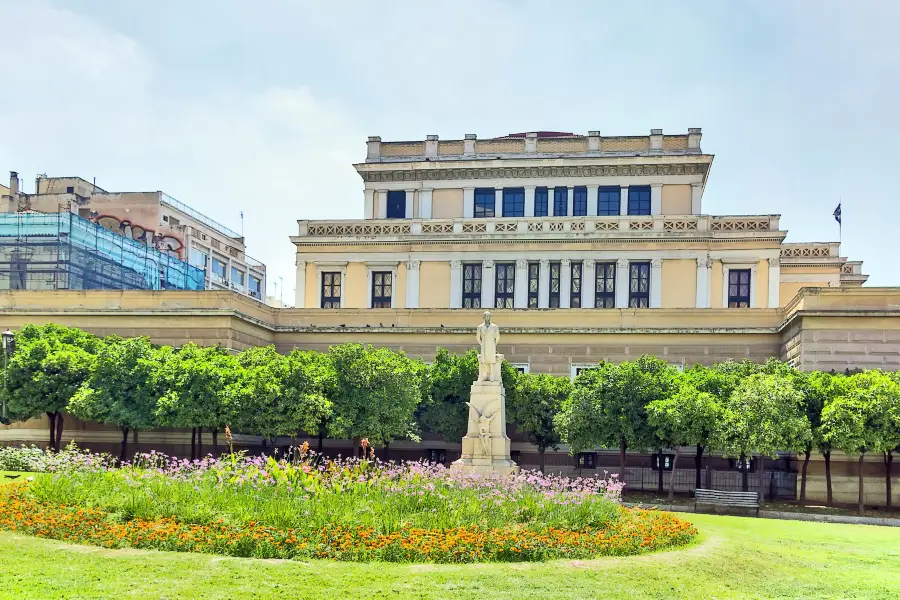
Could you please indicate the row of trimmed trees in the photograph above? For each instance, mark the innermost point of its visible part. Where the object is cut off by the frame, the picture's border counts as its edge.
(740, 410)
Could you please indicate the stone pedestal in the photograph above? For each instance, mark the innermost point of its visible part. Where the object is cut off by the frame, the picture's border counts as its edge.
(486, 446)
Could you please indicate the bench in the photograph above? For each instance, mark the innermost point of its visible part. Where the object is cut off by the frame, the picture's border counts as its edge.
(744, 500)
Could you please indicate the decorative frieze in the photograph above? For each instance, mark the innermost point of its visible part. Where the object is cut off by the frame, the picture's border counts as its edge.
(645, 170)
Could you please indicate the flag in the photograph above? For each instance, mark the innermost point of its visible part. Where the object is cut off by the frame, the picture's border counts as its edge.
(837, 214)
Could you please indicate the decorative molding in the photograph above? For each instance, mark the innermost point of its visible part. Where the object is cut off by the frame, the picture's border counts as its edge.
(536, 172)
(545, 263)
(521, 263)
(656, 263)
(412, 265)
(588, 263)
(704, 262)
(621, 264)
(455, 264)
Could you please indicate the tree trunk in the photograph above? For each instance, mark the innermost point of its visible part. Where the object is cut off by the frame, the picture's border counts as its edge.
(888, 459)
(193, 443)
(828, 499)
(745, 485)
(806, 456)
(623, 445)
(698, 465)
(660, 481)
(387, 451)
(672, 476)
(200, 443)
(124, 450)
(762, 480)
(215, 436)
(137, 445)
(321, 440)
(862, 456)
(542, 459)
(59, 430)
(52, 417)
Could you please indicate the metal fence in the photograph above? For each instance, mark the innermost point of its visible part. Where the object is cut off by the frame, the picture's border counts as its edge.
(780, 485)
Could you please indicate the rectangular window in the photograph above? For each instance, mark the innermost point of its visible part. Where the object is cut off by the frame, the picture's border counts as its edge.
(237, 277)
(605, 289)
(579, 202)
(540, 202)
(331, 290)
(586, 460)
(484, 203)
(471, 294)
(382, 288)
(639, 285)
(575, 296)
(513, 202)
(396, 204)
(505, 285)
(218, 268)
(534, 284)
(437, 456)
(639, 200)
(738, 288)
(255, 287)
(608, 200)
(197, 258)
(555, 270)
(560, 202)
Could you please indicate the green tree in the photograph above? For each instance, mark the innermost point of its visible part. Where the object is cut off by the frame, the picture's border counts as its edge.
(818, 389)
(198, 383)
(763, 415)
(719, 383)
(124, 387)
(686, 418)
(450, 378)
(310, 379)
(50, 364)
(607, 405)
(376, 393)
(538, 399)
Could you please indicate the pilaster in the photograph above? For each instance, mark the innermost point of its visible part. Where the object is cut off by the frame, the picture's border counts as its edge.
(529, 200)
(544, 284)
(300, 291)
(622, 283)
(656, 283)
(520, 299)
(425, 198)
(565, 283)
(455, 284)
(487, 284)
(704, 268)
(498, 202)
(774, 282)
(588, 283)
(412, 284)
(410, 202)
(570, 201)
(655, 198)
(370, 204)
(623, 200)
(382, 204)
(468, 202)
(696, 194)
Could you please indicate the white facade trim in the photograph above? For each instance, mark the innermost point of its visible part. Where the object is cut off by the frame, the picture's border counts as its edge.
(731, 256)
(704, 282)
(300, 286)
(488, 278)
(529, 200)
(520, 299)
(425, 200)
(330, 267)
(574, 368)
(549, 182)
(775, 282)
(456, 283)
(565, 283)
(468, 202)
(570, 201)
(371, 267)
(382, 204)
(522, 367)
(498, 202)
(656, 283)
(410, 203)
(412, 283)
(696, 195)
(544, 284)
(623, 199)
(370, 204)
(592, 200)
(726, 267)
(622, 283)
(655, 198)
(588, 283)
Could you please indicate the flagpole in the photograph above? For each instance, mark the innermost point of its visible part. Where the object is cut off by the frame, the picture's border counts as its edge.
(840, 224)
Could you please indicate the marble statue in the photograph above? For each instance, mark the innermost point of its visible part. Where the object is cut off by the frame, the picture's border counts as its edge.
(488, 336)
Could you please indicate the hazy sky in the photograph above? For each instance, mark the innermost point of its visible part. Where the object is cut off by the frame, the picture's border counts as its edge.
(262, 106)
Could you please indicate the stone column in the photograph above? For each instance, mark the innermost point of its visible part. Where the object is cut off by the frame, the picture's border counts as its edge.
(425, 197)
(753, 275)
(529, 200)
(656, 283)
(592, 200)
(623, 200)
(410, 202)
(487, 284)
(570, 201)
(696, 193)
(520, 299)
(565, 283)
(622, 283)
(544, 284)
(412, 284)
(468, 202)
(655, 198)
(455, 284)
(704, 266)
(370, 204)
(498, 202)
(300, 291)
(774, 282)
(382, 204)
(588, 283)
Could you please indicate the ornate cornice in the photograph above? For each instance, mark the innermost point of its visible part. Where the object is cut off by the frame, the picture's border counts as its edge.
(536, 172)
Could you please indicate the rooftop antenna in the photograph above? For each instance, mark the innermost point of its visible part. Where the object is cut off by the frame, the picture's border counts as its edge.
(242, 223)
(281, 289)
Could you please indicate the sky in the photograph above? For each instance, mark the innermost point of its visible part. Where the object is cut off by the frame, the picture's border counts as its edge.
(263, 106)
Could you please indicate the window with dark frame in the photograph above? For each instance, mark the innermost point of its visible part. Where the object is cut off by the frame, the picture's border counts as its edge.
(639, 200)
(605, 288)
(560, 202)
(639, 285)
(540, 202)
(513, 202)
(575, 291)
(484, 203)
(586, 460)
(608, 201)
(579, 202)
(504, 285)
(534, 284)
(738, 288)
(437, 456)
(382, 289)
(471, 292)
(555, 270)
(331, 290)
(396, 204)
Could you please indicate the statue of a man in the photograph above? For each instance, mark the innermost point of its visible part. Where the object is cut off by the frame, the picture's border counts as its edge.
(488, 336)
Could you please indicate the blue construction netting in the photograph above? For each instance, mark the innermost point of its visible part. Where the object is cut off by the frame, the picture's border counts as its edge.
(65, 251)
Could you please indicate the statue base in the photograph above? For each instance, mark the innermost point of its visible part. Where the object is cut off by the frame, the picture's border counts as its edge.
(485, 448)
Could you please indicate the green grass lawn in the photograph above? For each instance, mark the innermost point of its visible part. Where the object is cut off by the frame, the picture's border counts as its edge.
(736, 558)
(10, 477)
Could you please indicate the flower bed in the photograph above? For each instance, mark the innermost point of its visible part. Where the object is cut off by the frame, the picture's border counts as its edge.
(346, 510)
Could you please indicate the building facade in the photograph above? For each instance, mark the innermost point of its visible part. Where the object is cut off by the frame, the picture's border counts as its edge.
(154, 219)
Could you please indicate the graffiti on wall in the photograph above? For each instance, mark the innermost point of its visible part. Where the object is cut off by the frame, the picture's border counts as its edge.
(164, 243)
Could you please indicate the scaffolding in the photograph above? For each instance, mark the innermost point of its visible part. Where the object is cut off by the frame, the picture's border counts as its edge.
(62, 251)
